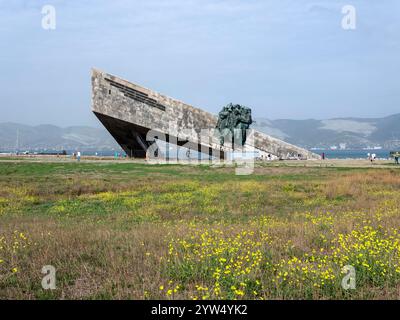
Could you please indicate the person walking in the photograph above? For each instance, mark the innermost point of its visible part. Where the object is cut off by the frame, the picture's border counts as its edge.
(188, 154)
(78, 156)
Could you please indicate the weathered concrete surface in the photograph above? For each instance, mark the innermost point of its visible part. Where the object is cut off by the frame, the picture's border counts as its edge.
(129, 111)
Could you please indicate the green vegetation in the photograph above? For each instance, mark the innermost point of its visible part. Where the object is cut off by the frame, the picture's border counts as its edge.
(131, 230)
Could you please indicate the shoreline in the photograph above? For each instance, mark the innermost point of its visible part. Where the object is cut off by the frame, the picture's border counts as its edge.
(327, 163)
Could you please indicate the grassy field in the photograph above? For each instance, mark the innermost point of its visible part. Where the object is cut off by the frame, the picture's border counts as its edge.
(130, 230)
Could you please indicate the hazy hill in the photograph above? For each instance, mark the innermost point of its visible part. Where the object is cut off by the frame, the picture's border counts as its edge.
(53, 137)
(353, 132)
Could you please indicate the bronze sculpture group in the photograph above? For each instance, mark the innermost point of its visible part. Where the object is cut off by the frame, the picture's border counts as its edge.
(233, 122)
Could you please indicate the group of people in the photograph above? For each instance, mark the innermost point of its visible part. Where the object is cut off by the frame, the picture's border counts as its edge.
(268, 157)
(396, 156)
(371, 157)
(77, 156)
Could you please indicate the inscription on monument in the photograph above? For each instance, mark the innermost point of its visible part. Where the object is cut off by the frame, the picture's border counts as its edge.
(136, 95)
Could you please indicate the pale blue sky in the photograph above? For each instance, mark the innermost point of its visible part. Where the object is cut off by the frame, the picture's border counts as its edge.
(284, 59)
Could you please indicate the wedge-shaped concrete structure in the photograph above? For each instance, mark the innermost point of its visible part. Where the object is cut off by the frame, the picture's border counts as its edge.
(129, 112)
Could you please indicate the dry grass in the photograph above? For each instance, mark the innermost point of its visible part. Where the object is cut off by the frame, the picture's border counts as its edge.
(116, 231)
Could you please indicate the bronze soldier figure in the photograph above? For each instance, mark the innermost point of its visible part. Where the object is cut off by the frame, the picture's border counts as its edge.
(233, 121)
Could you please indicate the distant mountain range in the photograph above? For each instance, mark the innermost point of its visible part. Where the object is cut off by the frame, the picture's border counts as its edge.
(351, 133)
(23, 137)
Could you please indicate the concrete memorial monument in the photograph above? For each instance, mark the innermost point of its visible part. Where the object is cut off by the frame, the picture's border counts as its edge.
(136, 117)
